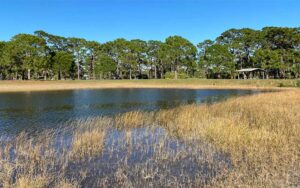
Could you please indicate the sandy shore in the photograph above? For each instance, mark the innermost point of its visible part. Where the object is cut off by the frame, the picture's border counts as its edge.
(24, 86)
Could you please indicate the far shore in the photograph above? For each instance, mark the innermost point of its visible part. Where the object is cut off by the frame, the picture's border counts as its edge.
(27, 86)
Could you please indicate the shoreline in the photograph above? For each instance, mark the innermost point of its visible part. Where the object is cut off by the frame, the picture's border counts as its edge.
(35, 86)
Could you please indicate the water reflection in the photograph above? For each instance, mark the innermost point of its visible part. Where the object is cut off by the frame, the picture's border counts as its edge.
(34, 111)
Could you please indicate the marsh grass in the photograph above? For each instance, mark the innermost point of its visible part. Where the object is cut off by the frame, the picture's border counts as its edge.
(88, 143)
(133, 119)
(250, 141)
(261, 134)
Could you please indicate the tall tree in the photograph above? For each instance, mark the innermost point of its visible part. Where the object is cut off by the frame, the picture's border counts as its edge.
(116, 50)
(29, 53)
(202, 47)
(54, 42)
(283, 41)
(180, 51)
(138, 49)
(78, 47)
(217, 60)
(105, 66)
(62, 63)
(3, 67)
(242, 43)
(269, 60)
(93, 48)
(154, 57)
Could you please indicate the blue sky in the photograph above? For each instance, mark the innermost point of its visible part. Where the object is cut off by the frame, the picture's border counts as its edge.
(104, 20)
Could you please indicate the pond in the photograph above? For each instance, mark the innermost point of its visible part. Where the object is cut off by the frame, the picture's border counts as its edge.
(36, 111)
(88, 146)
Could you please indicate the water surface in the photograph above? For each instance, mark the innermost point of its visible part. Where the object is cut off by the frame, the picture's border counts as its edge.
(32, 111)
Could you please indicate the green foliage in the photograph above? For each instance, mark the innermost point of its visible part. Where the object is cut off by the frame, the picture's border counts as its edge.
(105, 66)
(217, 59)
(268, 59)
(199, 74)
(181, 52)
(298, 83)
(26, 53)
(62, 62)
(275, 49)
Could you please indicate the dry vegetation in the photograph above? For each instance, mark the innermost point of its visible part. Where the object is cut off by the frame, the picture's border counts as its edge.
(25, 86)
(88, 143)
(261, 134)
(250, 141)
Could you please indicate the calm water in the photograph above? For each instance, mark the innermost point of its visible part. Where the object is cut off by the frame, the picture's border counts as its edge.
(149, 155)
(32, 111)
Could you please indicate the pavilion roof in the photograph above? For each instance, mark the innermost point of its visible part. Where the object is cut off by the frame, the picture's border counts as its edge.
(250, 70)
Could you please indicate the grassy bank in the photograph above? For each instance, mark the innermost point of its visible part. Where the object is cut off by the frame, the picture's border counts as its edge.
(261, 134)
(16, 86)
(250, 141)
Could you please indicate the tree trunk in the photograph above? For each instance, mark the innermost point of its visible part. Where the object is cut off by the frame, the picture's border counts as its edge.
(78, 71)
(59, 75)
(176, 72)
(162, 73)
(119, 73)
(241, 61)
(28, 74)
(130, 73)
(277, 73)
(94, 74)
(149, 74)
(92, 68)
(176, 69)
(140, 71)
(155, 72)
(175, 75)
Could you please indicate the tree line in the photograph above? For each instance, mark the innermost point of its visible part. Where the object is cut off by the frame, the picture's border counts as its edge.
(49, 57)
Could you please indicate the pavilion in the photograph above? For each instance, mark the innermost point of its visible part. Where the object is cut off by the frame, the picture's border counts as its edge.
(252, 73)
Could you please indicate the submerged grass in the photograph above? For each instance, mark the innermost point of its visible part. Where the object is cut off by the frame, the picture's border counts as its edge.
(250, 141)
(88, 143)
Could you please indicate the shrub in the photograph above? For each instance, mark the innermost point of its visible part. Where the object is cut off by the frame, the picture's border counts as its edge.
(171, 75)
(298, 83)
(199, 74)
(281, 84)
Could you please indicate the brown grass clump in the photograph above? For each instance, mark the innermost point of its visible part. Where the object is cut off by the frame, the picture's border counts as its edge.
(67, 184)
(28, 182)
(133, 119)
(27, 162)
(87, 143)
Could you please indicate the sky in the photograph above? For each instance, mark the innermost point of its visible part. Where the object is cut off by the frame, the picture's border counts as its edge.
(106, 20)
